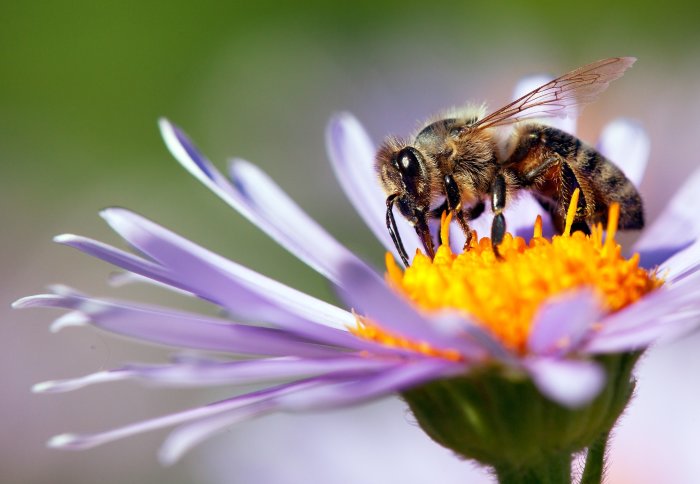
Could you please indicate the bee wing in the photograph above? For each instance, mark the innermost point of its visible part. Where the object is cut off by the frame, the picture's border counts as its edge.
(560, 97)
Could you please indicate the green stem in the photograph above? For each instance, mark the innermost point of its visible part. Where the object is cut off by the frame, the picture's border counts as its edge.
(595, 461)
(553, 470)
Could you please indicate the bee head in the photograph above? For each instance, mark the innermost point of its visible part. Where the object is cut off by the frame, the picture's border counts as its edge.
(404, 175)
(402, 171)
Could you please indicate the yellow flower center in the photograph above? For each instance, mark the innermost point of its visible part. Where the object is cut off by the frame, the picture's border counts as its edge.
(504, 295)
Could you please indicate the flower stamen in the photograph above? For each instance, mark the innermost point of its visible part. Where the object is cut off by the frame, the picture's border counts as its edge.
(571, 213)
(505, 294)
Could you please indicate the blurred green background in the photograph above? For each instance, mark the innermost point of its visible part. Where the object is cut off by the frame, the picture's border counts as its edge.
(83, 83)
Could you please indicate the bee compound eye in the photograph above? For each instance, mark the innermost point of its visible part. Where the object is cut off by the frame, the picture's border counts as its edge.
(408, 163)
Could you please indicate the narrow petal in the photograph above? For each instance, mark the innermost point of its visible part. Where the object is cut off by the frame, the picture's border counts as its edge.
(258, 371)
(352, 157)
(225, 372)
(121, 279)
(231, 285)
(73, 319)
(679, 325)
(663, 329)
(521, 215)
(397, 378)
(370, 296)
(682, 264)
(663, 301)
(471, 340)
(184, 151)
(568, 382)
(63, 290)
(562, 323)
(676, 228)
(288, 223)
(660, 313)
(117, 257)
(185, 437)
(177, 328)
(87, 441)
(60, 386)
(331, 395)
(625, 143)
(216, 288)
(262, 203)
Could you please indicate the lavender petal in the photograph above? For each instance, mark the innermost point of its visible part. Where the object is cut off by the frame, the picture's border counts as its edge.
(664, 328)
(675, 229)
(521, 215)
(352, 157)
(328, 395)
(625, 143)
(184, 151)
(121, 279)
(656, 314)
(87, 441)
(177, 328)
(344, 393)
(568, 382)
(472, 341)
(287, 223)
(563, 322)
(664, 300)
(117, 257)
(68, 385)
(232, 285)
(370, 296)
(266, 206)
(187, 436)
(212, 373)
(682, 264)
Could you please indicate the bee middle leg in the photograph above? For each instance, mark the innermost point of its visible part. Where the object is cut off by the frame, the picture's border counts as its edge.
(568, 181)
(498, 203)
(453, 200)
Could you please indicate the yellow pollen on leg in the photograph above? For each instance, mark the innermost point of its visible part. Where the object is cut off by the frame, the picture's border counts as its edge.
(504, 295)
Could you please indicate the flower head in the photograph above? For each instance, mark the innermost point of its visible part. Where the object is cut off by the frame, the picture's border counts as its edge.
(504, 294)
(560, 320)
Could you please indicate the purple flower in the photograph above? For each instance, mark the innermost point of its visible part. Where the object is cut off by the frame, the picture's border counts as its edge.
(297, 339)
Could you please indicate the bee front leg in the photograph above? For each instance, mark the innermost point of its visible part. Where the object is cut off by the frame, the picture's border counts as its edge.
(498, 203)
(468, 232)
(470, 214)
(393, 229)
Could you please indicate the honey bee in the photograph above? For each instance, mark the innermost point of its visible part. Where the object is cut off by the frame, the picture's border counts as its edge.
(458, 163)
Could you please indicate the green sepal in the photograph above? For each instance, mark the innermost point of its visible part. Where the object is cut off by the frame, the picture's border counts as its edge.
(499, 418)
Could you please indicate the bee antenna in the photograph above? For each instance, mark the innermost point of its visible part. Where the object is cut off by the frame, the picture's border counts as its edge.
(393, 229)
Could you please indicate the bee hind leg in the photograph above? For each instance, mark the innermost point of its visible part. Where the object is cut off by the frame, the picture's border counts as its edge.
(558, 210)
